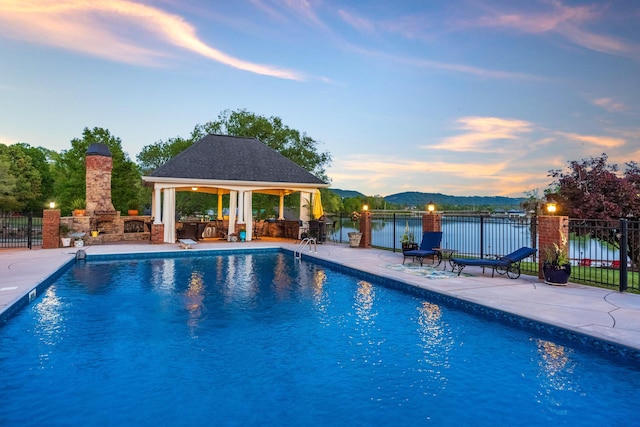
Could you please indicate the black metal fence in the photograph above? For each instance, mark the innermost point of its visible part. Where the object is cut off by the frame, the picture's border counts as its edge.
(605, 253)
(20, 231)
(596, 248)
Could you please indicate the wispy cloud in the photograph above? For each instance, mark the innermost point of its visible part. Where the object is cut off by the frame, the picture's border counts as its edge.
(119, 30)
(413, 27)
(455, 177)
(358, 22)
(485, 135)
(570, 22)
(610, 105)
(597, 140)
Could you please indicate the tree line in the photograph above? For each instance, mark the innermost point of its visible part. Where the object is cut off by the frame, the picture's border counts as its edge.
(31, 177)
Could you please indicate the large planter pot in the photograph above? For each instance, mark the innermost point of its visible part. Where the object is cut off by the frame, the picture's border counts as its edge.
(132, 212)
(354, 239)
(79, 212)
(409, 246)
(557, 276)
(66, 241)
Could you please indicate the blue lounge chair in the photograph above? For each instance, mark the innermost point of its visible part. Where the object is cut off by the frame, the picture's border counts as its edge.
(430, 240)
(508, 264)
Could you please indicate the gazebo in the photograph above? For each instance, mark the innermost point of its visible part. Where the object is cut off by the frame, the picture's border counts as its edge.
(238, 166)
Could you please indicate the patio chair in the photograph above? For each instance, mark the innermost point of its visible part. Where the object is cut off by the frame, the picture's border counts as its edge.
(430, 240)
(508, 264)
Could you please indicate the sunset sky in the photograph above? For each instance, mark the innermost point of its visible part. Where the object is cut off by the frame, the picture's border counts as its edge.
(461, 97)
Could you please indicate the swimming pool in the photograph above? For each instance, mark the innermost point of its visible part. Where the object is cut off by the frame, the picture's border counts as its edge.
(259, 339)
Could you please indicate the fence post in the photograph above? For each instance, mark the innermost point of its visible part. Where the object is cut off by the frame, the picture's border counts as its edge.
(50, 228)
(481, 236)
(431, 222)
(394, 232)
(29, 229)
(624, 236)
(551, 229)
(365, 229)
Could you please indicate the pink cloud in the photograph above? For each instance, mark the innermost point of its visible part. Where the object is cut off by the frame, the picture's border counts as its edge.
(119, 30)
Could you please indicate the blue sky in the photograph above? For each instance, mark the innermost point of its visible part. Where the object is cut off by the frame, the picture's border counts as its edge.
(468, 97)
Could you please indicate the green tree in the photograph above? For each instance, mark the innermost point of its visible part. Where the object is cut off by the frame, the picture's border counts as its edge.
(41, 160)
(155, 155)
(70, 171)
(595, 191)
(293, 144)
(27, 189)
(8, 201)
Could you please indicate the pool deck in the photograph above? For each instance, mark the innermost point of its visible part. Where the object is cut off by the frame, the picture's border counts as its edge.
(604, 314)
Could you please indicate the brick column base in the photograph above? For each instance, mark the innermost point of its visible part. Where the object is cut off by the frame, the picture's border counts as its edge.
(51, 228)
(365, 229)
(431, 222)
(551, 229)
(157, 233)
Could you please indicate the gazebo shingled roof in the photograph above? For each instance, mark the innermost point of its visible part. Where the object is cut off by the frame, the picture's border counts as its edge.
(231, 158)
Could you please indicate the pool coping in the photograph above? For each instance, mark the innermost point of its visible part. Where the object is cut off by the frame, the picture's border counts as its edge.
(598, 317)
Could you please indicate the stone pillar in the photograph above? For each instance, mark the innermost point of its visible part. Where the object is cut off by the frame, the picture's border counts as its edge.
(157, 233)
(98, 175)
(551, 229)
(365, 229)
(431, 222)
(51, 228)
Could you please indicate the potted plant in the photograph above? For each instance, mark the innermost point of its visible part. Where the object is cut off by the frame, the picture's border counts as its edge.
(133, 207)
(355, 236)
(556, 267)
(408, 239)
(64, 238)
(78, 206)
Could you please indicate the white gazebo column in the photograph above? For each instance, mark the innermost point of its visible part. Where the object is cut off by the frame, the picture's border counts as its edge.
(220, 217)
(156, 198)
(281, 206)
(240, 207)
(305, 206)
(248, 214)
(233, 204)
(169, 215)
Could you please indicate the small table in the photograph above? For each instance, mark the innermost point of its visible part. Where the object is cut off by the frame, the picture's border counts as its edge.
(445, 254)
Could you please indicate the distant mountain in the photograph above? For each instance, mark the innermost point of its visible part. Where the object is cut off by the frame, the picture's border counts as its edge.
(420, 200)
(414, 198)
(347, 193)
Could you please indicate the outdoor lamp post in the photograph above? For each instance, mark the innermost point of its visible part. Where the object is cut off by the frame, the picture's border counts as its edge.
(431, 207)
(551, 208)
(365, 208)
(52, 205)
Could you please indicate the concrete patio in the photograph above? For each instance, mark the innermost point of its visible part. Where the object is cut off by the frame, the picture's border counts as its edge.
(601, 313)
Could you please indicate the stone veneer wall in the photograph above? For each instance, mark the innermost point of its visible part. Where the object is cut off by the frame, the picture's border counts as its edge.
(98, 174)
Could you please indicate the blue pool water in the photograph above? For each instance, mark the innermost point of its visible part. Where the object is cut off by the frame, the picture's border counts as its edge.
(261, 339)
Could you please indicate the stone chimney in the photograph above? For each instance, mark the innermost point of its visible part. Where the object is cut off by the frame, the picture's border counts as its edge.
(98, 173)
